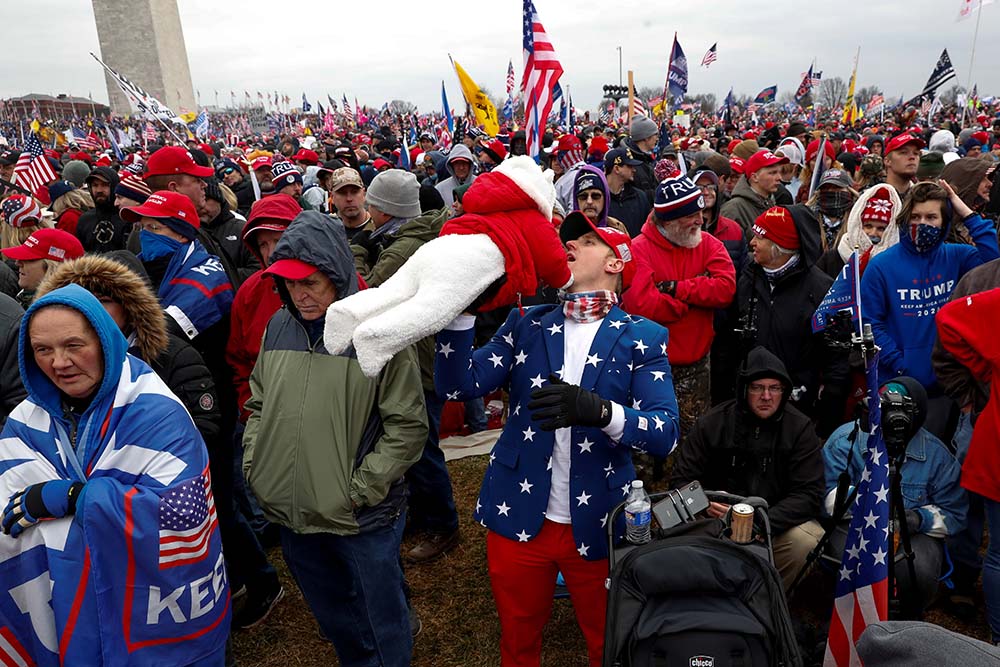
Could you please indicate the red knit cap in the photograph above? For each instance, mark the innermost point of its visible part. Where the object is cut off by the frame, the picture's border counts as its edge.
(776, 225)
(878, 207)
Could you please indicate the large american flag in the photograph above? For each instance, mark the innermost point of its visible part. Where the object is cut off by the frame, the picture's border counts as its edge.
(32, 169)
(541, 73)
(187, 519)
(862, 595)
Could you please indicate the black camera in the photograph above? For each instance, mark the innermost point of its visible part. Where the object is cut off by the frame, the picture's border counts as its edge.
(899, 414)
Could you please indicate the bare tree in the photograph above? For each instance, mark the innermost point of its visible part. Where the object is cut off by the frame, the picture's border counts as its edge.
(402, 107)
(832, 92)
(950, 96)
(704, 102)
(787, 97)
(864, 95)
(647, 93)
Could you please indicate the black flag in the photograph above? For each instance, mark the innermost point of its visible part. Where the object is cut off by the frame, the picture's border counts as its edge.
(942, 72)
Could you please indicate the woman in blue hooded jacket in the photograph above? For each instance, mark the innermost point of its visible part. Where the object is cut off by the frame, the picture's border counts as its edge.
(110, 553)
(904, 287)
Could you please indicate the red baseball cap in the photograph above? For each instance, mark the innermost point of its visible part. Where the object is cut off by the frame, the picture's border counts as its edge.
(901, 140)
(175, 160)
(306, 155)
(48, 243)
(762, 159)
(576, 224)
(738, 165)
(163, 204)
(291, 269)
(261, 163)
(274, 212)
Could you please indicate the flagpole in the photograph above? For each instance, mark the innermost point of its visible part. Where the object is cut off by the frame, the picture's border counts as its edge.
(160, 120)
(972, 59)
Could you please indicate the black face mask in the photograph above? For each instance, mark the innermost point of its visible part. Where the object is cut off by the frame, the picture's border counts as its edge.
(834, 204)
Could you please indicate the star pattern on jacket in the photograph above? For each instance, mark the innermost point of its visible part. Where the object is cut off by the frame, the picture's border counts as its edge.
(621, 366)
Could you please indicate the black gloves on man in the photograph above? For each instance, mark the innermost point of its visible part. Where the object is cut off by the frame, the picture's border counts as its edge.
(563, 405)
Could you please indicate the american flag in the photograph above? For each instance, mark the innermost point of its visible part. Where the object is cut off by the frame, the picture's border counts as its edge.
(86, 141)
(815, 78)
(347, 108)
(510, 78)
(862, 595)
(541, 73)
(187, 519)
(638, 108)
(711, 56)
(32, 169)
(11, 651)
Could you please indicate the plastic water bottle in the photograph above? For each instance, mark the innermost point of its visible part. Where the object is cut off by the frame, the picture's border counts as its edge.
(637, 514)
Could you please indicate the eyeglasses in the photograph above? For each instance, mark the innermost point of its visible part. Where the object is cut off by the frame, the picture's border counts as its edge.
(775, 389)
(584, 196)
(707, 188)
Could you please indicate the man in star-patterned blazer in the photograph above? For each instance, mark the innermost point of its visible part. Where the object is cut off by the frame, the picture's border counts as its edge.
(588, 385)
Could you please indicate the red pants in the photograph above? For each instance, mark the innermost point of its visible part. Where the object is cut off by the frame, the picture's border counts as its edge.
(523, 576)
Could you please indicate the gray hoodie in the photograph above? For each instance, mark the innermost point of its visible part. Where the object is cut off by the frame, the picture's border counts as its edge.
(447, 186)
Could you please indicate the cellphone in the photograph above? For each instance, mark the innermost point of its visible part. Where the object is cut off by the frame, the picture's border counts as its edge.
(680, 505)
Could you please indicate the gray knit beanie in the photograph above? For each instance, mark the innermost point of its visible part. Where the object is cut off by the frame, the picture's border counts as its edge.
(76, 172)
(396, 193)
(642, 128)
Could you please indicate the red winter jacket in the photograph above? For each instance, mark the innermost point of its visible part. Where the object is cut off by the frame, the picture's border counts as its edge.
(967, 328)
(68, 220)
(497, 207)
(255, 302)
(706, 280)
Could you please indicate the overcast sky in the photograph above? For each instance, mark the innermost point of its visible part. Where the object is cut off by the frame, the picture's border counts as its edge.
(381, 50)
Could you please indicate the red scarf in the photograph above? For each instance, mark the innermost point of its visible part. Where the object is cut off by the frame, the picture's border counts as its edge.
(584, 307)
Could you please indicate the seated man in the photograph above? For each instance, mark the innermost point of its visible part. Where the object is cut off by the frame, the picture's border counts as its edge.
(758, 445)
(935, 503)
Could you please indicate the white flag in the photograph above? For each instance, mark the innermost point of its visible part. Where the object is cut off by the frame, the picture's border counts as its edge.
(139, 99)
(970, 6)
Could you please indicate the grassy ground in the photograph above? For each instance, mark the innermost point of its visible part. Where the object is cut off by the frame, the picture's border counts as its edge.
(455, 603)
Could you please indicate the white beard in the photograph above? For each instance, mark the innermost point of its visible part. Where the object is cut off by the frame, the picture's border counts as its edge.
(684, 239)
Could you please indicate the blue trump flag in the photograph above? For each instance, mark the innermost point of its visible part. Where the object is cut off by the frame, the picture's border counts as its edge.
(677, 72)
(136, 576)
(447, 110)
(766, 96)
(843, 294)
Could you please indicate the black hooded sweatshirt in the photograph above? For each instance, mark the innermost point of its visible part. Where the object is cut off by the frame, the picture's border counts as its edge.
(101, 229)
(779, 459)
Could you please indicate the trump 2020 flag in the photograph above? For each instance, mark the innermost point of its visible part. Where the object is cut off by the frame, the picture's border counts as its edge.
(842, 295)
(862, 594)
(677, 72)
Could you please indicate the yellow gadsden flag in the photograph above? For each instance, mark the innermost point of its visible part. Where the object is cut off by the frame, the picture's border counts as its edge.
(486, 113)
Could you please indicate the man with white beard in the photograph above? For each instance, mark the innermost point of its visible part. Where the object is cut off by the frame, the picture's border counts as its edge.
(682, 276)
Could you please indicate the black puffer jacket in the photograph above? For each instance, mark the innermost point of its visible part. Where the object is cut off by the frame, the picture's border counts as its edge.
(778, 458)
(645, 179)
(784, 326)
(11, 390)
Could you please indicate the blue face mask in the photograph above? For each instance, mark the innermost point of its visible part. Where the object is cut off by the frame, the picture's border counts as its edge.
(155, 246)
(925, 237)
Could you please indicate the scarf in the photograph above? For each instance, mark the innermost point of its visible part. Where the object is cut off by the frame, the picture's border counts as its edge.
(774, 274)
(584, 307)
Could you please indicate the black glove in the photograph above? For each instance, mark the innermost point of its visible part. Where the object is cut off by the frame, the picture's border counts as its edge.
(568, 405)
(47, 500)
(668, 287)
(913, 521)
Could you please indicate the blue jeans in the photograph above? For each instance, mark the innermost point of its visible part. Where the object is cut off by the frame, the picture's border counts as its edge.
(964, 545)
(432, 505)
(354, 586)
(475, 415)
(991, 568)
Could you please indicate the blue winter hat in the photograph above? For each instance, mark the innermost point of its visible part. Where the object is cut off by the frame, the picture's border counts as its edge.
(59, 188)
(285, 173)
(677, 196)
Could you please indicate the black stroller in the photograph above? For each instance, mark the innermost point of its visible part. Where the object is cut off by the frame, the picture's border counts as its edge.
(691, 597)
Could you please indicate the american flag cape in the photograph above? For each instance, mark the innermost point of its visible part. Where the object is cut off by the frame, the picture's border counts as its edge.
(90, 589)
(195, 290)
(862, 595)
(541, 74)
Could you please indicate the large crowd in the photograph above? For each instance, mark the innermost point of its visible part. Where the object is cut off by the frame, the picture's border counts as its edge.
(163, 314)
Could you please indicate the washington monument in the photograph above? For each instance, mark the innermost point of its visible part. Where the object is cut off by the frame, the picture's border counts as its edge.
(143, 40)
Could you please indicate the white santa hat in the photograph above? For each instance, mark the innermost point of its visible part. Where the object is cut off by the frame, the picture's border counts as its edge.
(530, 178)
